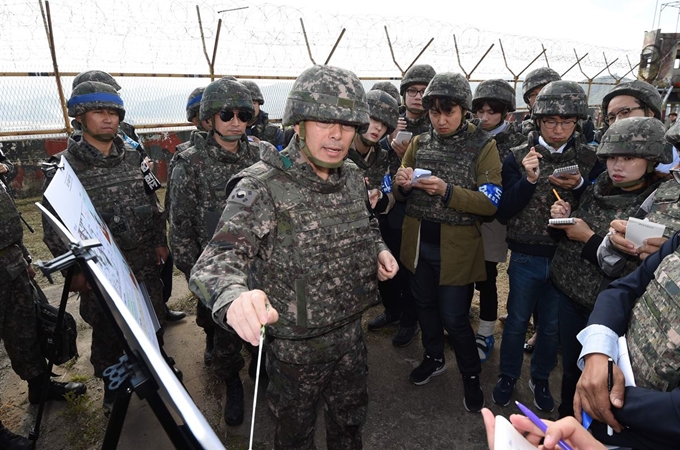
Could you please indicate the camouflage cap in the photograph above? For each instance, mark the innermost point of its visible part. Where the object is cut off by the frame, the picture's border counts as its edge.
(383, 107)
(255, 91)
(194, 103)
(91, 95)
(387, 86)
(640, 137)
(538, 77)
(561, 98)
(641, 90)
(95, 75)
(418, 74)
(499, 90)
(449, 85)
(224, 94)
(327, 94)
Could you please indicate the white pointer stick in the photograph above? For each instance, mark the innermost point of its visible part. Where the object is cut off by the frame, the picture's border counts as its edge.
(257, 384)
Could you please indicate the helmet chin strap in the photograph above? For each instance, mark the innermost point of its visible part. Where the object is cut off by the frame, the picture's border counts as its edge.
(417, 112)
(308, 154)
(626, 184)
(229, 138)
(366, 142)
(105, 137)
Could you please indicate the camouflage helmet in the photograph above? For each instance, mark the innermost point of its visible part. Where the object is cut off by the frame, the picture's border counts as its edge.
(643, 91)
(449, 85)
(194, 103)
(538, 77)
(91, 95)
(327, 94)
(224, 94)
(95, 75)
(255, 91)
(499, 90)
(673, 135)
(383, 107)
(561, 98)
(418, 74)
(640, 137)
(387, 86)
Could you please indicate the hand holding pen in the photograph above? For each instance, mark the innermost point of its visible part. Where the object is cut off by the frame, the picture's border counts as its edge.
(531, 165)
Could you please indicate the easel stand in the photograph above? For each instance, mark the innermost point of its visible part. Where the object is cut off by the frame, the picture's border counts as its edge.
(129, 375)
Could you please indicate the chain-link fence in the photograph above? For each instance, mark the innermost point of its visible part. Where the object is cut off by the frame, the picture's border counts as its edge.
(159, 51)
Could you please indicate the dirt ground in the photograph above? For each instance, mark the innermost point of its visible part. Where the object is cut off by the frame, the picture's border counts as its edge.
(400, 416)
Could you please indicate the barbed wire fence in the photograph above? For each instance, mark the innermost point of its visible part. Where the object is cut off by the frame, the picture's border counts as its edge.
(159, 51)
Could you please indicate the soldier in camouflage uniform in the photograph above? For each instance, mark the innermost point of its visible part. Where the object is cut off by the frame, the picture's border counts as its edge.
(198, 194)
(368, 155)
(17, 316)
(297, 250)
(396, 293)
(259, 128)
(532, 85)
(492, 102)
(527, 197)
(109, 171)
(631, 148)
(441, 243)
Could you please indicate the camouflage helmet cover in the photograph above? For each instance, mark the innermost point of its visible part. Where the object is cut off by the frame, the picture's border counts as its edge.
(91, 95)
(224, 94)
(95, 75)
(255, 91)
(561, 98)
(499, 90)
(327, 94)
(640, 137)
(450, 85)
(383, 107)
(641, 90)
(387, 86)
(673, 135)
(538, 77)
(418, 74)
(194, 103)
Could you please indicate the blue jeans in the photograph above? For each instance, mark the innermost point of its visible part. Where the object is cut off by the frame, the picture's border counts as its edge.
(530, 285)
(573, 318)
(444, 307)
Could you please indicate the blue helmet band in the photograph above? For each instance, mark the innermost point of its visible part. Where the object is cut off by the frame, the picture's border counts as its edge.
(194, 100)
(96, 97)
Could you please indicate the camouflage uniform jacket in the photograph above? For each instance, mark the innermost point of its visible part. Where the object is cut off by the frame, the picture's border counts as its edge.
(583, 280)
(116, 187)
(195, 137)
(474, 166)
(666, 207)
(529, 225)
(13, 253)
(265, 131)
(308, 243)
(11, 173)
(199, 180)
(374, 165)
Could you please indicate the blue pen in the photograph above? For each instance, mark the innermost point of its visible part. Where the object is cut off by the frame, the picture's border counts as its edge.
(540, 424)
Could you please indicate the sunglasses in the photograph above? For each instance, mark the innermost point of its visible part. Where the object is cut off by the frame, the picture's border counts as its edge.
(676, 174)
(244, 116)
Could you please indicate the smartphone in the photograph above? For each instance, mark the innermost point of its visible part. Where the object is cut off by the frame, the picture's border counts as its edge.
(420, 174)
(571, 170)
(567, 221)
(404, 136)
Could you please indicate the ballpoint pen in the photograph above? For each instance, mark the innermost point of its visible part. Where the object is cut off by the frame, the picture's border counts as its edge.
(610, 385)
(540, 424)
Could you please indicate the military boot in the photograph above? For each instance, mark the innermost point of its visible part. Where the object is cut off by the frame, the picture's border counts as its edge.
(11, 441)
(209, 347)
(55, 390)
(233, 407)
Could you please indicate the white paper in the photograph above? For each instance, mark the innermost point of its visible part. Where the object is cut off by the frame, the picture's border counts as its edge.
(638, 230)
(420, 174)
(506, 437)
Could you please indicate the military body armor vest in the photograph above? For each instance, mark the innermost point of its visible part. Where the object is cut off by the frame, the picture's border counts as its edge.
(530, 226)
(322, 272)
(654, 328)
(453, 159)
(579, 279)
(666, 207)
(10, 223)
(507, 139)
(374, 168)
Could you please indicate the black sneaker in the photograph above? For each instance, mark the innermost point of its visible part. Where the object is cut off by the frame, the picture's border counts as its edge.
(173, 316)
(474, 397)
(502, 392)
(233, 407)
(405, 336)
(381, 321)
(542, 397)
(430, 367)
(11, 441)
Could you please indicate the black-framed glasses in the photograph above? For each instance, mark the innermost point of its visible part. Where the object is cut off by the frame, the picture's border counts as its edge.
(412, 92)
(227, 114)
(566, 125)
(622, 113)
(676, 174)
